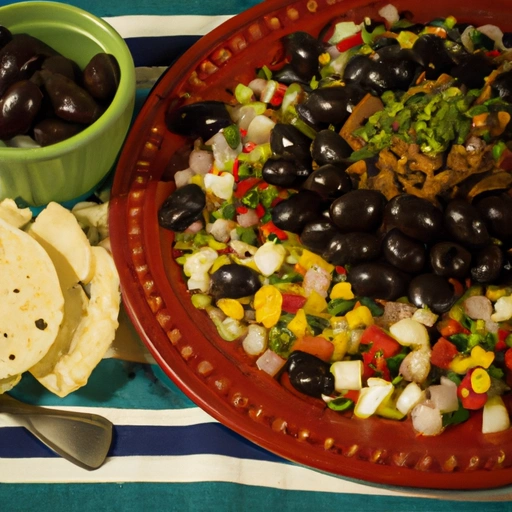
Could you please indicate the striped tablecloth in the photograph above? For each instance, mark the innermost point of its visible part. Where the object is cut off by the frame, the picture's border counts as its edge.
(168, 454)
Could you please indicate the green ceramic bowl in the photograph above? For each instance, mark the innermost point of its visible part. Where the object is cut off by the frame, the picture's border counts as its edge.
(68, 171)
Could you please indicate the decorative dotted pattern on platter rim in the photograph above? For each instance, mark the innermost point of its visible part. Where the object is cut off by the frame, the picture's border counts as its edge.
(197, 79)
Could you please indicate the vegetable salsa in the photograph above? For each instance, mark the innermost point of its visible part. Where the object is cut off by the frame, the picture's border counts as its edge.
(347, 219)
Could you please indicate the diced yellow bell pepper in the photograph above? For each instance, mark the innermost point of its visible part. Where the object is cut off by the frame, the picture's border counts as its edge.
(315, 303)
(478, 357)
(198, 179)
(493, 293)
(340, 342)
(299, 324)
(359, 317)
(267, 305)
(223, 259)
(309, 259)
(342, 291)
(231, 308)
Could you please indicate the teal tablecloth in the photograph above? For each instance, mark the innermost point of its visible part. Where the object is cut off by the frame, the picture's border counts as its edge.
(167, 454)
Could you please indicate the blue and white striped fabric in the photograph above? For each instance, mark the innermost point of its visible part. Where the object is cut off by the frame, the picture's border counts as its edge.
(168, 454)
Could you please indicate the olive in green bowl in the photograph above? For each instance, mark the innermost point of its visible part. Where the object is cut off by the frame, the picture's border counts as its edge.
(69, 170)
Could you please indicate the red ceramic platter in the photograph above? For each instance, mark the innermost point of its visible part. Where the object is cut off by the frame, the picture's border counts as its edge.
(216, 374)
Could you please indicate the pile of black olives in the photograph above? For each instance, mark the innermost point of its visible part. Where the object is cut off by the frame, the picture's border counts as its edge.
(403, 247)
(47, 96)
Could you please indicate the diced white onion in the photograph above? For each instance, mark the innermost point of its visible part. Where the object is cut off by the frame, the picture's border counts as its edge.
(493, 32)
(182, 178)
(259, 130)
(317, 279)
(444, 397)
(256, 340)
(503, 309)
(370, 398)
(409, 398)
(416, 366)
(347, 375)
(221, 229)
(495, 416)
(220, 185)
(200, 262)
(223, 153)
(427, 420)
(410, 333)
(425, 317)
(257, 85)
(269, 258)
(200, 161)
(248, 219)
(270, 362)
(195, 227)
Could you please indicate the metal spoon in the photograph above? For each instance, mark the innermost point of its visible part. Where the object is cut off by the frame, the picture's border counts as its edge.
(83, 439)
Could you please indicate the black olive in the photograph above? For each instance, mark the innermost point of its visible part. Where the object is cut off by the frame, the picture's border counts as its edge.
(507, 39)
(284, 172)
(329, 147)
(329, 105)
(431, 53)
(401, 66)
(62, 65)
(317, 234)
(382, 42)
(488, 264)
(287, 75)
(496, 210)
(415, 28)
(310, 375)
(18, 108)
(70, 101)
(294, 213)
(203, 119)
(101, 76)
(403, 252)
(20, 57)
(502, 86)
(472, 70)
(53, 130)
(463, 221)
(5, 36)
(378, 281)
(414, 216)
(433, 291)
(329, 182)
(234, 281)
(302, 51)
(370, 75)
(449, 259)
(183, 207)
(358, 210)
(348, 248)
(286, 141)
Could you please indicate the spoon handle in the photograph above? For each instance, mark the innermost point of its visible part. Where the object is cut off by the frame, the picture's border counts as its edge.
(81, 438)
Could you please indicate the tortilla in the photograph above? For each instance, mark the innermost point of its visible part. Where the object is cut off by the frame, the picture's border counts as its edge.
(32, 301)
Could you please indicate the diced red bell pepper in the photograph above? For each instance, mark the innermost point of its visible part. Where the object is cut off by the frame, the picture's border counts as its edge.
(380, 342)
(342, 271)
(470, 399)
(375, 365)
(236, 167)
(350, 42)
(443, 353)
(248, 147)
(270, 228)
(244, 186)
(448, 327)
(242, 209)
(277, 97)
(260, 210)
(292, 302)
(502, 336)
(315, 345)
(508, 359)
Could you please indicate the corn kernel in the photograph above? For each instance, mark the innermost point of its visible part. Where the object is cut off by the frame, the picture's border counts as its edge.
(480, 381)
(231, 308)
